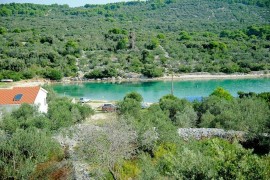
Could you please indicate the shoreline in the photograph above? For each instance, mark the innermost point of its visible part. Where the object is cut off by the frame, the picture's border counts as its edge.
(176, 77)
(208, 76)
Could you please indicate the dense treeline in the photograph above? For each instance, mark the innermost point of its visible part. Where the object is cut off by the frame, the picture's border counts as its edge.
(144, 144)
(28, 9)
(90, 10)
(261, 3)
(150, 38)
(27, 149)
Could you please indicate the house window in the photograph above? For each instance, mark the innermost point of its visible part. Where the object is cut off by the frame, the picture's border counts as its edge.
(17, 97)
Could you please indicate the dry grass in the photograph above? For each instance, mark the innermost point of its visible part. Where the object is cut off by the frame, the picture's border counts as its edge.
(53, 170)
(5, 85)
(101, 118)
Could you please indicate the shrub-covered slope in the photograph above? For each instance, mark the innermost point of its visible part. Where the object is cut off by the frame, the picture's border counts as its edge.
(151, 38)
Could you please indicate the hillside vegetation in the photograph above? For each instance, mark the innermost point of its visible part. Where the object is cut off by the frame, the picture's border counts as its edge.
(152, 38)
(27, 149)
(136, 143)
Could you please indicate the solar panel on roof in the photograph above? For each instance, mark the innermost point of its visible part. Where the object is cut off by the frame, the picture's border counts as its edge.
(18, 97)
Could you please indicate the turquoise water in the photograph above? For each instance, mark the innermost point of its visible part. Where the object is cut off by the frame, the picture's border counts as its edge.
(153, 91)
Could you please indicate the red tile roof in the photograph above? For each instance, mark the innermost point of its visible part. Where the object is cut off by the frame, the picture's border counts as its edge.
(29, 95)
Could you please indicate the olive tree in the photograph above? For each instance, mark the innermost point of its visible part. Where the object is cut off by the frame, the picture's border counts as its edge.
(23, 150)
(222, 93)
(186, 118)
(106, 147)
(134, 95)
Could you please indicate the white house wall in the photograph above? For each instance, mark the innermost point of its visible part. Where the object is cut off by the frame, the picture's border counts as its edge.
(41, 101)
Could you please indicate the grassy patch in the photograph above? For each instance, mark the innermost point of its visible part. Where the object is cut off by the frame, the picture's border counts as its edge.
(5, 85)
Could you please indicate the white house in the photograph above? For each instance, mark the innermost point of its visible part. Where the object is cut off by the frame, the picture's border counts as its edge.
(12, 98)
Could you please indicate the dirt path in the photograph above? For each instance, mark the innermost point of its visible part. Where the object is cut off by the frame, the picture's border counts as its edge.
(101, 118)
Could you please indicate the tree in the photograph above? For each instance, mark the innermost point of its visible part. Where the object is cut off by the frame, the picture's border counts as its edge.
(148, 170)
(54, 74)
(106, 148)
(51, 93)
(247, 114)
(231, 160)
(63, 113)
(3, 30)
(23, 150)
(156, 118)
(96, 73)
(184, 36)
(4, 11)
(173, 105)
(122, 44)
(129, 106)
(154, 43)
(72, 47)
(25, 117)
(186, 118)
(72, 44)
(222, 93)
(265, 96)
(152, 71)
(161, 36)
(134, 95)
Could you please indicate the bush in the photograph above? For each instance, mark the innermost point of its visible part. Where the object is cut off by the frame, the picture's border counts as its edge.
(161, 36)
(231, 68)
(23, 150)
(63, 113)
(184, 69)
(156, 118)
(184, 36)
(28, 74)
(122, 44)
(98, 73)
(25, 117)
(3, 30)
(129, 106)
(95, 74)
(222, 93)
(247, 114)
(152, 71)
(15, 76)
(207, 159)
(153, 44)
(186, 118)
(134, 95)
(172, 104)
(54, 74)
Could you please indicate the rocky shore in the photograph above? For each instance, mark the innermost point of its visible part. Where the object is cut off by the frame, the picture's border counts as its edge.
(130, 77)
(134, 77)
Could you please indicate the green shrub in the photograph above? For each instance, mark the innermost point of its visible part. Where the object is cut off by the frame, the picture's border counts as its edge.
(63, 113)
(222, 93)
(54, 74)
(134, 95)
(152, 71)
(129, 106)
(23, 150)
